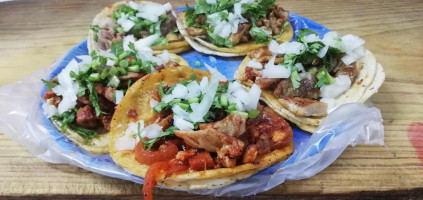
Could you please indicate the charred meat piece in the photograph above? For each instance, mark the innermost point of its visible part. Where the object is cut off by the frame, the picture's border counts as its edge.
(264, 131)
(49, 94)
(233, 125)
(351, 70)
(168, 25)
(106, 120)
(105, 37)
(210, 136)
(85, 117)
(236, 37)
(166, 122)
(266, 83)
(258, 53)
(108, 93)
(306, 89)
(277, 17)
(131, 76)
(208, 139)
(196, 31)
(232, 149)
(304, 107)
(57, 100)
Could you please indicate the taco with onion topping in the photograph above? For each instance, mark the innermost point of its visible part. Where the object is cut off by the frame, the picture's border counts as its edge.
(306, 79)
(181, 129)
(144, 23)
(81, 99)
(234, 28)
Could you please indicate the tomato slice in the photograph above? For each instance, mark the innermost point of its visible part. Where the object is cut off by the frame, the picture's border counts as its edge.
(150, 178)
(166, 152)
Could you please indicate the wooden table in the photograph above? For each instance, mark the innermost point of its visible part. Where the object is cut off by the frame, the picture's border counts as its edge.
(34, 33)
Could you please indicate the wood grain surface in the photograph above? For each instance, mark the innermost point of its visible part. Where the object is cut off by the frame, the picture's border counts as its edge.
(34, 33)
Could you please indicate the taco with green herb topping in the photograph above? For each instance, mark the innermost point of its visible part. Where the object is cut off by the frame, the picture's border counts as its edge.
(234, 27)
(306, 79)
(143, 23)
(81, 99)
(189, 129)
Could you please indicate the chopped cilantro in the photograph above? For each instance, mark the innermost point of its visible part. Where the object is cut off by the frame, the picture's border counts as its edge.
(49, 84)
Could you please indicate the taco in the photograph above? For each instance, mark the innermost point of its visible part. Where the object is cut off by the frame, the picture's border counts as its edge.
(81, 99)
(141, 22)
(234, 28)
(191, 132)
(306, 79)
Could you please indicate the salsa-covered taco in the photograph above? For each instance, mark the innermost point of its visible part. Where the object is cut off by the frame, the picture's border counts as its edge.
(81, 99)
(306, 79)
(141, 22)
(185, 128)
(234, 27)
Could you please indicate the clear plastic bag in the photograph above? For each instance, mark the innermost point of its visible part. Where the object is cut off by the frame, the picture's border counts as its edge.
(22, 119)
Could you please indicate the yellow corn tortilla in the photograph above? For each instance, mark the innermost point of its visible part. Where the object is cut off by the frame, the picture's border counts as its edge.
(100, 144)
(102, 18)
(238, 50)
(366, 84)
(138, 97)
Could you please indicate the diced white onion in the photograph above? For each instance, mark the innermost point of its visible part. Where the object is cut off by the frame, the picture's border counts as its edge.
(132, 128)
(233, 86)
(178, 111)
(311, 38)
(125, 22)
(133, 5)
(254, 97)
(165, 56)
(48, 109)
(68, 87)
(110, 62)
(349, 58)
(275, 71)
(126, 40)
(204, 84)
(342, 83)
(351, 42)
(118, 96)
(194, 90)
(274, 47)
(168, 98)
(253, 63)
(322, 52)
(182, 124)
(198, 114)
(125, 143)
(153, 103)
(300, 67)
(330, 39)
(294, 48)
(152, 131)
(242, 95)
(152, 11)
(146, 42)
(107, 54)
(179, 91)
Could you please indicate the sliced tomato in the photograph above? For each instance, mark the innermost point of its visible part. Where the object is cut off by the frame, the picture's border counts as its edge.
(166, 152)
(201, 161)
(150, 178)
